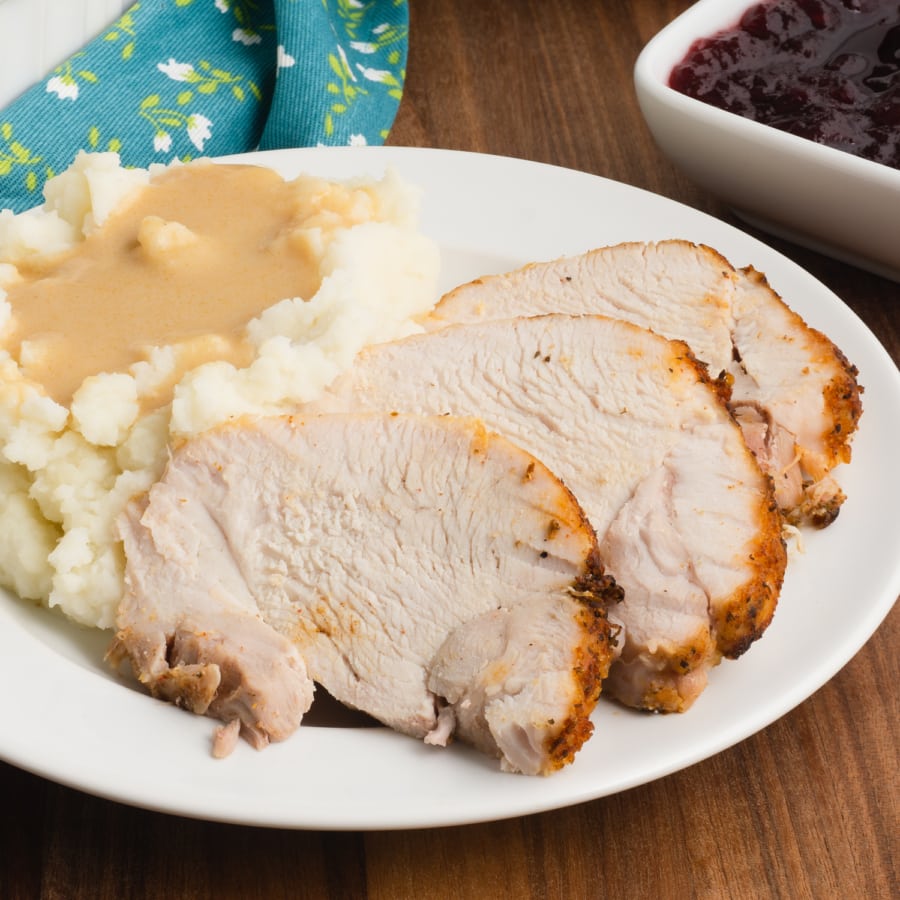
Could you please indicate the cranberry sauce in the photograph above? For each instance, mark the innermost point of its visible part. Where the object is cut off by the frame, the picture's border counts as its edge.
(827, 70)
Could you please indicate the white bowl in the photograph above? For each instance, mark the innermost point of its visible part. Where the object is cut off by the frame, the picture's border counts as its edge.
(37, 35)
(822, 198)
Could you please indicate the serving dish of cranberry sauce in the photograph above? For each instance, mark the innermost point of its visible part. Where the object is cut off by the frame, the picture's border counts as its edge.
(826, 70)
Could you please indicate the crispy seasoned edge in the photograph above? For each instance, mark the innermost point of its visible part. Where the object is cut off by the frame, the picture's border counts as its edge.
(594, 591)
(591, 658)
(665, 695)
(744, 616)
(841, 396)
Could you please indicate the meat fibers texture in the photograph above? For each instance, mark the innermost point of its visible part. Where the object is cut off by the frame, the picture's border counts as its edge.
(421, 569)
(631, 423)
(791, 388)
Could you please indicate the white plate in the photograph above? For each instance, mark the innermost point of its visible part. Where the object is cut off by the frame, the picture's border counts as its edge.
(65, 717)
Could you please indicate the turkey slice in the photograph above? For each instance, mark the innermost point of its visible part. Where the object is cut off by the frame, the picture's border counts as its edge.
(632, 425)
(794, 392)
(423, 570)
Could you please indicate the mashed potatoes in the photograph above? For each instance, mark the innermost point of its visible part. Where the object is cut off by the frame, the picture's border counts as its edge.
(71, 459)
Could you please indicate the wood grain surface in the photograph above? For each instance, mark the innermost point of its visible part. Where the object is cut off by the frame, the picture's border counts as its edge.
(805, 809)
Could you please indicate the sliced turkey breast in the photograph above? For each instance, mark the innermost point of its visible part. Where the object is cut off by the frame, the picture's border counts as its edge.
(631, 423)
(190, 625)
(423, 570)
(806, 390)
(794, 392)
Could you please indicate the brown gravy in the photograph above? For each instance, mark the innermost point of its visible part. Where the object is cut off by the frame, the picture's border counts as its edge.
(199, 252)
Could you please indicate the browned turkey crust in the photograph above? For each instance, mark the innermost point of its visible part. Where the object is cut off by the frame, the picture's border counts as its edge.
(816, 399)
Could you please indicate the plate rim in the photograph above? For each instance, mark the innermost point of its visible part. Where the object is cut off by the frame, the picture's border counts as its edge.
(543, 795)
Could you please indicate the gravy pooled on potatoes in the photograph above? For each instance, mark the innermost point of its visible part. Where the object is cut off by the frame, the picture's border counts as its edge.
(200, 251)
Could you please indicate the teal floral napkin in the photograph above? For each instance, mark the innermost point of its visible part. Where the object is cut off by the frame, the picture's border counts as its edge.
(186, 78)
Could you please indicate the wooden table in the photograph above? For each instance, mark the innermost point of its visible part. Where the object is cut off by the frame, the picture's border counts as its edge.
(807, 808)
